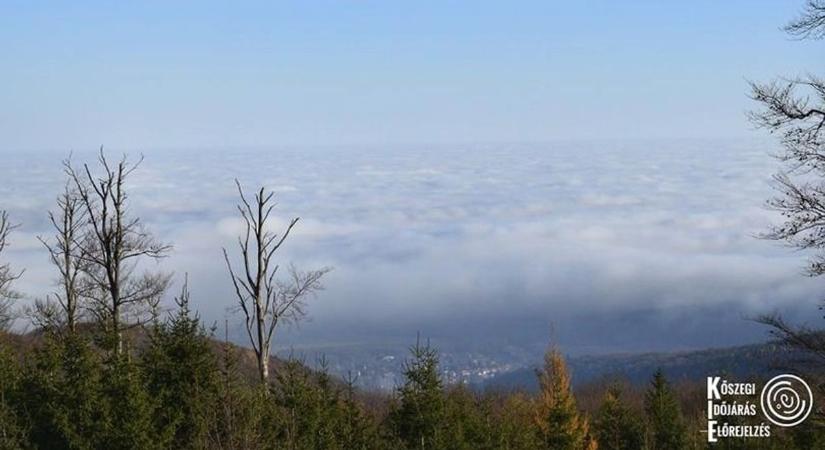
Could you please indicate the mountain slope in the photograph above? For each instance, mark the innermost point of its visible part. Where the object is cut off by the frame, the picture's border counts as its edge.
(739, 362)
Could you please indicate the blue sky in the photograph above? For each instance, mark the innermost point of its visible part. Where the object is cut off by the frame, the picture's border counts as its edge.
(193, 74)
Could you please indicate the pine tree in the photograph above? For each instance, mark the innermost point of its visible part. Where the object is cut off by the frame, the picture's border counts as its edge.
(12, 428)
(664, 416)
(63, 394)
(419, 413)
(181, 375)
(243, 418)
(359, 430)
(514, 419)
(466, 422)
(129, 407)
(307, 406)
(560, 425)
(616, 426)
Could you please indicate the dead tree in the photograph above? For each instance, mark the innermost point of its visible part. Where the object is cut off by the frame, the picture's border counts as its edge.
(794, 109)
(265, 300)
(111, 246)
(65, 253)
(7, 275)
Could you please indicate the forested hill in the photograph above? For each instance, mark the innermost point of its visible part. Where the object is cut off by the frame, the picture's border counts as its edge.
(741, 361)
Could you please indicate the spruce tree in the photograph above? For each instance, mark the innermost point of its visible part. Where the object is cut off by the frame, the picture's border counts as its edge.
(560, 425)
(12, 428)
(63, 393)
(419, 413)
(359, 430)
(181, 374)
(514, 419)
(617, 427)
(664, 416)
(129, 407)
(466, 423)
(242, 418)
(307, 406)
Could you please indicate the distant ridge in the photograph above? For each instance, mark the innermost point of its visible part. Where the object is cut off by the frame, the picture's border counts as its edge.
(742, 361)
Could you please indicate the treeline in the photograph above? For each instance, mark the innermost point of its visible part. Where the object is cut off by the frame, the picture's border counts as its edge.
(181, 389)
(108, 368)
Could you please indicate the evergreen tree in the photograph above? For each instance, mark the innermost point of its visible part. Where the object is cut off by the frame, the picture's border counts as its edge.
(514, 420)
(466, 423)
(419, 413)
(129, 407)
(12, 429)
(242, 419)
(616, 426)
(359, 430)
(308, 407)
(664, 416)
(63, 394)
(41, 386)
(181, 375)
(560, 425)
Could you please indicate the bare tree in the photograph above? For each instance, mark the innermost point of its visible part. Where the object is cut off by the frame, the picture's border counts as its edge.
(795, 110)
(265, 300)
(66, 254)
(7, 275)
(811, 24)
(111, 247)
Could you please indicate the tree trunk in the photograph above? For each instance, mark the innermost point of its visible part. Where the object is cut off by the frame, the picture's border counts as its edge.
(263, 353)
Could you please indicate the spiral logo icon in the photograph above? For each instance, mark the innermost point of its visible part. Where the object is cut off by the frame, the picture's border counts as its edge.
(786, 400)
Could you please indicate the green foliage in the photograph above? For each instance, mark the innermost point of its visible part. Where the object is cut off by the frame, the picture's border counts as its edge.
(466, 420)
(64, 397)
(617, 427)
(307, 407)
(664, 416)
(318, 414)
(12, 427)
(242, 418)
(513, 417)
(418, 414)
(181, 391)
(181, 374)
(359, 430)
(129, 407)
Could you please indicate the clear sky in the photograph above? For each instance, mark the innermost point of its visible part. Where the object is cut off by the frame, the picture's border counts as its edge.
(189, 74)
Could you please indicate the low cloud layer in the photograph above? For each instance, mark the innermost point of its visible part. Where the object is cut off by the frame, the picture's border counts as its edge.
(619, 245)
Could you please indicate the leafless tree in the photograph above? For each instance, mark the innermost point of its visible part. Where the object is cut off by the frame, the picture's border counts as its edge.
(811, 23)
(111, 247)
(7, 274)
(795, 110)
(264, 300)
(65, 253)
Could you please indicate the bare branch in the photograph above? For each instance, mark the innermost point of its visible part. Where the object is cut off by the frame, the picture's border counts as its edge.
(811, 24)
(264, 300)
(795, 109)
(111, 245)
(66, 255)
(7, 274)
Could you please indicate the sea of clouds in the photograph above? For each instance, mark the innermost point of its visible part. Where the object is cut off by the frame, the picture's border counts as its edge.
(614, 246)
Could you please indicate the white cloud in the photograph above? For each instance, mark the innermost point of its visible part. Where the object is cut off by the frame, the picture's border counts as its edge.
(557, 229)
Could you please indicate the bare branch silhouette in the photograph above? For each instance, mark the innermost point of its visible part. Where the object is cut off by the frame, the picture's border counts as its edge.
(7, 274)
(111, 246)
(265, 300)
